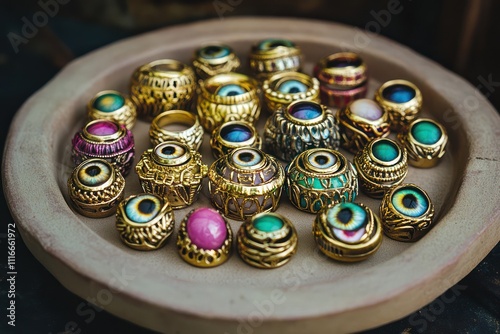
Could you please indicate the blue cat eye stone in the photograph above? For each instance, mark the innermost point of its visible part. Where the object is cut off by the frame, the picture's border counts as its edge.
(385, 150)
(236, 133)
(425, 132)
(292, 87)
(305, 111)
(398, 93)
(231, 90)
(410, 201)
(109, 102)
(267, 223)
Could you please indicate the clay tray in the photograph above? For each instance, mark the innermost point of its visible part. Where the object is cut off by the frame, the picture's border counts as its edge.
(310, 294)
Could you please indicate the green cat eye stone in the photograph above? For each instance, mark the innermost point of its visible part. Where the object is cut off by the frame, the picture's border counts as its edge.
(385, 150)
(426, 132)
(267, 223)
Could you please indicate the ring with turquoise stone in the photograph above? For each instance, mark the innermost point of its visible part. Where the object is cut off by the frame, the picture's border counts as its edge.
(231, 135)
(144, 221)
(271, 56)
(360, 122)
(114, 106)
(284, 88)
(425, 141)
(347, 231)
(402, 100)
(301, 126)
(227, 97)
(245, 182)
(382, 164)
(267, 240)
(406, 212)
(213, 59)
(319, 177)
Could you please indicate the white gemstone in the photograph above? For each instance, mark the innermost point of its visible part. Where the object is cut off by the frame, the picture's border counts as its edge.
(366, 109)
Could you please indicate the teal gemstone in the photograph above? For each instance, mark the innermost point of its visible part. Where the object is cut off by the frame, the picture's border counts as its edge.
(426, 132)
(109, 102)
(385, 150)
(267, 223)
(292, 87)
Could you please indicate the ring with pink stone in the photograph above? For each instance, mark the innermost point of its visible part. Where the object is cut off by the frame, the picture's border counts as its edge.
(205, 238)
(107, 140)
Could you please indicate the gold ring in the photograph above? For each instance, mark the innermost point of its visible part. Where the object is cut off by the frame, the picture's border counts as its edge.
(267, 240)
(406, 212)
(381, 164)
(347, 232)
(107, 140)
(205, 238)
(177, 125)
(213, 59)
(360, 122)
(343, 79)
(319, 177)
(95, 188)
(114, 106)
(173, 171)
(245, 182)
(301, 126)
(144, 221)
(232, 135)
(161, 85)
(425, 141)
(271, 56)
(402, 100)
(228, 97)
(281, 89)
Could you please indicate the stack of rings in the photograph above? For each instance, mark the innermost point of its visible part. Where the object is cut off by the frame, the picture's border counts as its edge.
(144, 221)
(189, 130)
(284, 88)
(343, 78)
(95, 188)
(425, 141)
(402, 100)
(228, 97)
(215, 59)
(301, 126)
(319, 177)
(406, 212)
(347, 232)
(232, 135)
(107, 140)
(114, 106)
(173, 171)
(381, 165)
(267, 240)
(162, 85)
(272, 56)
(205, 238)
(245, 182)
(360, 122)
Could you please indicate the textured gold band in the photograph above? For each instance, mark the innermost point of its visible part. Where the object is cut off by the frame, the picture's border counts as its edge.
(192, 136)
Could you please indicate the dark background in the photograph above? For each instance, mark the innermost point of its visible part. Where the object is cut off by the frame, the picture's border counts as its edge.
(462, 35)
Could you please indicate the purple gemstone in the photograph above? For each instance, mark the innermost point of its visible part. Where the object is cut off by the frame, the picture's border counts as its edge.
(305, 111)
(206, 228)
(102, 128)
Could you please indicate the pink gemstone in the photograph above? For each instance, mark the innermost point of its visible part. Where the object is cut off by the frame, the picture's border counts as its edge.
(206, 228)
(102, 128)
